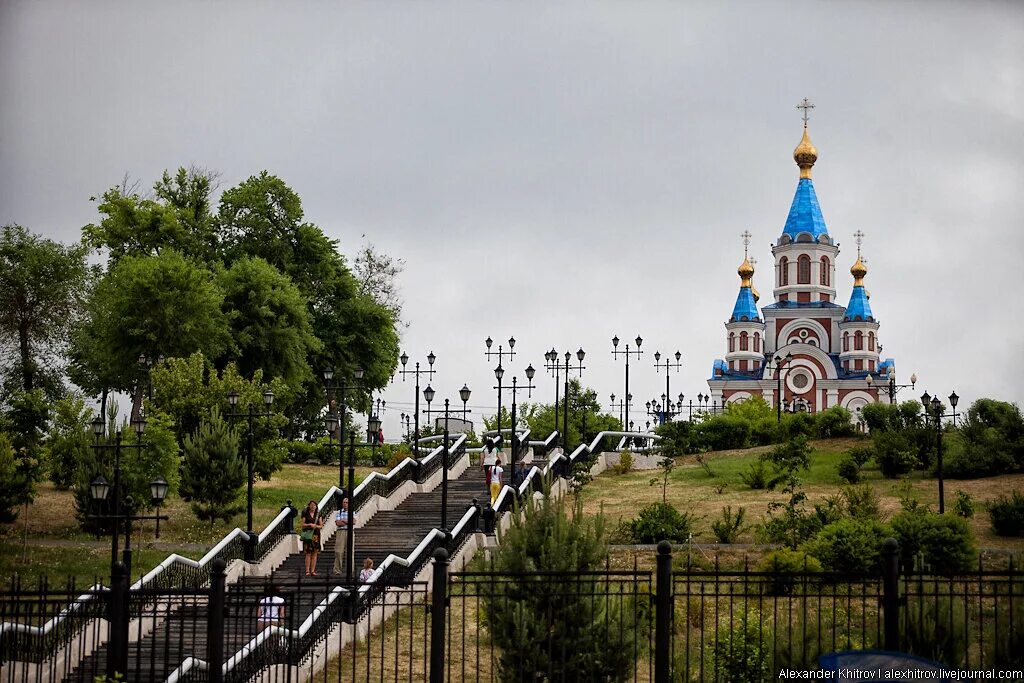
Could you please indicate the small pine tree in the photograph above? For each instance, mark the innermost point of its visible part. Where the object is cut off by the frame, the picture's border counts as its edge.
(554, 626)
(17, 479)
(213, 473)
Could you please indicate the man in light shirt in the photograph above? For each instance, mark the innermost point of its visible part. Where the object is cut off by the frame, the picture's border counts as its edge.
(342, 519)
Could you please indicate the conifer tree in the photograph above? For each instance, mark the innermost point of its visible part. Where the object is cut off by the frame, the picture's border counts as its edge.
(213, 473)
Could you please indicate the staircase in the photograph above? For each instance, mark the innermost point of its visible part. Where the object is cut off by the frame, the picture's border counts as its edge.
(182, 633)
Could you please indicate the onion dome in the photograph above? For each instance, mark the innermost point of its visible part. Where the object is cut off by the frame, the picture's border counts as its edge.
(746, 305)
(805, 155)
(859, 308)
(745, 271)
(858, 270)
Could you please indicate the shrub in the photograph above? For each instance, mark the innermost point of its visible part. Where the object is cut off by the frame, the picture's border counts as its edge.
(797, 424)
(894, 453)
(783, 565)
(729, 525)
(17, 479)
(993, 437)
(212, 471)
(965, 459)
(862, 502)
(721, 432)
(934, 627)
(743, 649)
(67, 443)
(398, 454)
(850, 546)
(662, 522)
(963, 504)
(944, 543)
(756, 476)
(765, 431)
(861, 454)
(848, 469)
(834, 422)
(301, 452)
(675, 437)
(1007, 514)
(625, 463)
(547, 627)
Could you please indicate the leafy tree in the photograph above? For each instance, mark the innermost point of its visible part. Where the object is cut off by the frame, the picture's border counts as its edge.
(377, 275)
(584, 408)
(989, 442)
(213, 472)
(550, 629)
(164, 305)
(17, 479)
(269, 321)
(667, 464)
(675, 437)
(43, 285)
(67, 443)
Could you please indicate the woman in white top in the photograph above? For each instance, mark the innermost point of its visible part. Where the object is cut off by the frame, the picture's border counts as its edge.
(271, 609)
(495, 478)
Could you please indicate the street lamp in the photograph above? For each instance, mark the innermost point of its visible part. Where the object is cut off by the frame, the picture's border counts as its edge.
(627, 353)
(891, 387)
(429, 372)
(934, 410)
(338, 421)
(121, 510)
(515, 388)
(668, 365)
(268, 400)
(567, 368)
(552, 365)
(498, 371)
(464, 393)
(780, 362)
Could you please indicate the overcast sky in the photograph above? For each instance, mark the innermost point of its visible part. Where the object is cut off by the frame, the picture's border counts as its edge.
(565, 172)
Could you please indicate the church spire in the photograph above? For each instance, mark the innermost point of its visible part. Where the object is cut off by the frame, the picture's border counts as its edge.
(859, 308)
(746, 306)
(805, 153)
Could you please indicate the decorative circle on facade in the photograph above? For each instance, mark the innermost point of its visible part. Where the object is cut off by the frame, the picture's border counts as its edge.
(800, 381)
(803, 334)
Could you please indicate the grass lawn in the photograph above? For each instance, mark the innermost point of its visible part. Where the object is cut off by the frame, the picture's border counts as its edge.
(691, 487)
(50, 519)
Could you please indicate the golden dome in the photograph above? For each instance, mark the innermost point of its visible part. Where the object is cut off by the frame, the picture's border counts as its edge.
(858, 270)
(745, 271)
(805, 155)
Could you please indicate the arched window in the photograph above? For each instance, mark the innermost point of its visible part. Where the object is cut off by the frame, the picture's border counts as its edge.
(783, 271)
(825, 272)
(732, 342)
(846, 341)
(803, 270)
(757, 341)
(744, 342)
(858, 341)
(871, 341)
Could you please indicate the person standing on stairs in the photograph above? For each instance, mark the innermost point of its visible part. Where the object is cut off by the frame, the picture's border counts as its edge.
(495, 479)
(342, 519)
(312, 523)
(487, 458)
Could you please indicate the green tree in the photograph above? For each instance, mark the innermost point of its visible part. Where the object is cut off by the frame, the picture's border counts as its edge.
(213, 473)
(17, 479)
(377, 275)
(584, 408)
(42, 289)
(269, 321)
(164, 305)
(550, 629)
(67, 443)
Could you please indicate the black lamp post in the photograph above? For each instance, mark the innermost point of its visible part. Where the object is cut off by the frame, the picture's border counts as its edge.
(780, 364)
(406, 421)
(268, 400)
(429, 372)
(621, 406)
(667, 365)
(464, 393)
(498, 371)
(339, 421)
(515, 388)
(636, 352)
(891, 387)
(121, 510)
(579, 368)
(555, 368)
(148, 362)
(934, 410)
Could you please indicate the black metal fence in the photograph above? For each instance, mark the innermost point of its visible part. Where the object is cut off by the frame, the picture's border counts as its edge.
(663, 625)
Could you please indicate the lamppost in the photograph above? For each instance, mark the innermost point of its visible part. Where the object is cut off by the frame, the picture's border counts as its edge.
(663, 411)
(636, 352)
(334, 422)
(934, 410)
(891, 387)
(148, 362)
(667, 365)
(515, 388)
(406, 421)
(268, 400)
(429, 372)
(552, 365)
(381, 406)
(578, 369)
(498, 371)
(464, 394)
(780, 364)
(340, 388)
(621, 406)
(121, 510)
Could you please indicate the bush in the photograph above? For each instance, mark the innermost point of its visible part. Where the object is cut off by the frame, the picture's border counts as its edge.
(963, 505)
(662, 522)
(862, 502)
(964, 459)
(783, 564)
(729, 525)
(834, 422)
(848, 469)
(894, 453)
(625, 463)
(721, 432)
(797, 424)
(756, 476)
(547, 627)
(1007, 515)
(743, 649)
(213, 473)
(17, 479)
(861, 454)
(765, 431)
(934, 627)
(301, 452)
(850, 546)
(68, 440)
(675, 438)
(944, 543)
(992, 437)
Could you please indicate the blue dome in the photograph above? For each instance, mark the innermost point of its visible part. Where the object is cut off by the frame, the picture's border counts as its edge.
(859, 308)
(805, 214)
(745, 308)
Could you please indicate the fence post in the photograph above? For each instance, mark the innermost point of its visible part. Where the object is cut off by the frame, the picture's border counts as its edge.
(215, 622)
(117, 649)
(438, 609)
(488, 519)
(891, 593)
(289, 521)
(663, 615)
(476, 517)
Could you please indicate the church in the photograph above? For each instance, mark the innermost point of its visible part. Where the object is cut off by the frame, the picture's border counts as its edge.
(804, 349)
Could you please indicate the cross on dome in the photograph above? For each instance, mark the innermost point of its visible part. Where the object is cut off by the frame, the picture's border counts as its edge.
(859, 237)
(746, 241)
(806, 105)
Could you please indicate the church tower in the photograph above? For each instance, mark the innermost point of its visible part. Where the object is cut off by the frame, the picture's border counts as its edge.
(804, 349)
